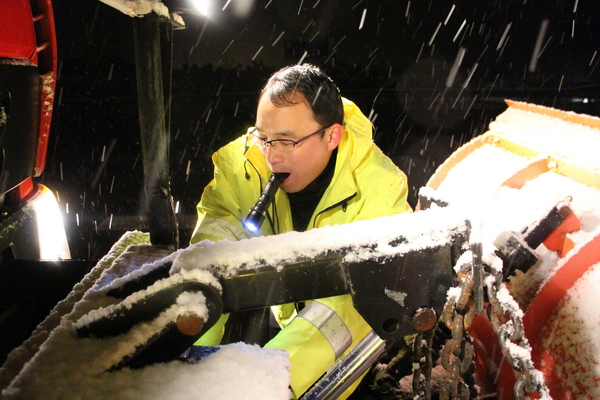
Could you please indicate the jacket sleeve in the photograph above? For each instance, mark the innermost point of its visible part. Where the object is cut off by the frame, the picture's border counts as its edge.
(321, 333)
(386, 192)
(219, 208)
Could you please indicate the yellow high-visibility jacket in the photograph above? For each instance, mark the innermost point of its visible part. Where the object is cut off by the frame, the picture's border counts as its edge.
(365, 184)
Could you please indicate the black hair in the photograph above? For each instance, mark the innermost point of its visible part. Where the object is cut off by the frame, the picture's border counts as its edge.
(318, 89)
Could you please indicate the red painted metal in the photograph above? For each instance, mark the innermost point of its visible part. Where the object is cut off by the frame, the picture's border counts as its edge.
(28, 36)
(17, 35)
(21, 192)
(542, 308)
(47, 64)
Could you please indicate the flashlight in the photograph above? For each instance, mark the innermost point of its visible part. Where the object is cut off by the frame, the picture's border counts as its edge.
(257, 214)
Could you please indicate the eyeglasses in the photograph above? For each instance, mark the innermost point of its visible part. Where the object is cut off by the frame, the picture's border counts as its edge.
(284, 145)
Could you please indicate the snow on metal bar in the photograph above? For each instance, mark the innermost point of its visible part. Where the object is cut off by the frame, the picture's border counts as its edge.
(377, 238)
(137, 8)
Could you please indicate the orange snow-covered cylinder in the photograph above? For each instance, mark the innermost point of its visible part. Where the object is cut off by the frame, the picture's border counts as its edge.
(532, 158)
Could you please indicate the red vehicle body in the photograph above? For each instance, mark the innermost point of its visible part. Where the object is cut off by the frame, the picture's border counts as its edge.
(35, 267)
(28, 64)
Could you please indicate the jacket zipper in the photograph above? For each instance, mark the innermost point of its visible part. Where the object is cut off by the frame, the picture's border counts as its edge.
(339, 203)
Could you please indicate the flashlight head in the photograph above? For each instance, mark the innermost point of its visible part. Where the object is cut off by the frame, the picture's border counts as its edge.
(255, 218)
(254, 221)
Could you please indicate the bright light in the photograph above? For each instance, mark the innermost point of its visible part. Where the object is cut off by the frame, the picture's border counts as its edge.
(251, 226)
(51, 231)
(201, 6)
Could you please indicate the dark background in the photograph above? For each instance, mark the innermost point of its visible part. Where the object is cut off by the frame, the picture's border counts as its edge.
(394, 65)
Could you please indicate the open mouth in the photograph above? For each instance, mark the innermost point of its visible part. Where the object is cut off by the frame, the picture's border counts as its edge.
(281, 176)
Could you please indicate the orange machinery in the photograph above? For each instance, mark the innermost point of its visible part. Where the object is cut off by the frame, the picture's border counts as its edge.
(532, 156)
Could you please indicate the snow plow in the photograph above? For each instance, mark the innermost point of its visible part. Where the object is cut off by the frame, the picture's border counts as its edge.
(532, 154)
(501, 254)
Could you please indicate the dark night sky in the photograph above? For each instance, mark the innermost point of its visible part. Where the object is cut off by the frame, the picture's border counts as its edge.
(391, 57)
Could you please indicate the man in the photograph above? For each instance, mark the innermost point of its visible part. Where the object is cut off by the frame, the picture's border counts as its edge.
(337, 175)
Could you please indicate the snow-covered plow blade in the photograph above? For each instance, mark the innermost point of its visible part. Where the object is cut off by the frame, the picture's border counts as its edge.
(533, 157)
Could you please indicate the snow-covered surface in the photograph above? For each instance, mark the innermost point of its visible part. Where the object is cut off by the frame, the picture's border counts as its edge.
(60, 361)
(48, 85)
(139, 8)
(572, 338)
(551, 135)
(65, 361)
(585, 204)
(18, 357)
(136, 8)
(359, 241)
(459, 183)
(573, 332)
(184, 304)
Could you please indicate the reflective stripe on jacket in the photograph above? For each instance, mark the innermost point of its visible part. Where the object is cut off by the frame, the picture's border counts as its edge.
(365, 184)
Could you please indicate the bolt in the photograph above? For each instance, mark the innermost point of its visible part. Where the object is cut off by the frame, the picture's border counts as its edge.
(189, 324)
(424, 319)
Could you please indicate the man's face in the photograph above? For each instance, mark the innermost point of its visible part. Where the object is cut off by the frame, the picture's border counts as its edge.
(308, 159)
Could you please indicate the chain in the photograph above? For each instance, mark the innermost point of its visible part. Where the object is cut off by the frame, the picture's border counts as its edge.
(506, 319)
(457, 354)
(422, 365)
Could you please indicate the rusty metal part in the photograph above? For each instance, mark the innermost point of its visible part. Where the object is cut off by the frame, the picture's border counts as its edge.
(507, 322)
(422, 364)
(505, 316)
(457, 354)
(424, 319)
(189, 324)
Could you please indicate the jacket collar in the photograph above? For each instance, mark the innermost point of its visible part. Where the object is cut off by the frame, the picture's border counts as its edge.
(353, 148)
